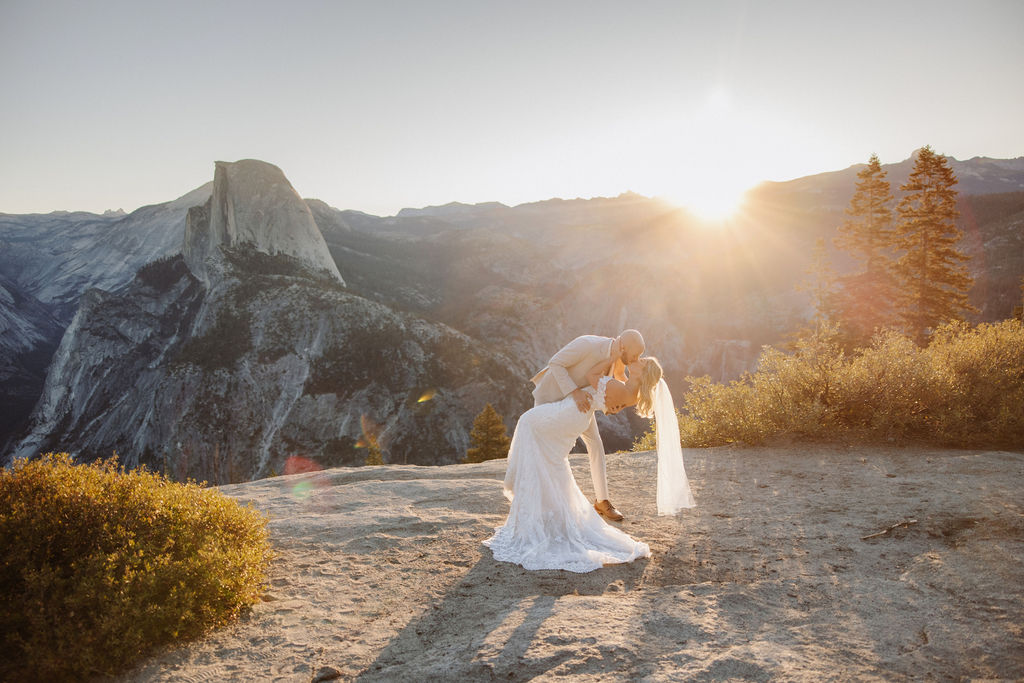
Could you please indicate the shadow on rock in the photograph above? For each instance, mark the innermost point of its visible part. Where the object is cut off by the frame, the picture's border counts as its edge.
(484, 626)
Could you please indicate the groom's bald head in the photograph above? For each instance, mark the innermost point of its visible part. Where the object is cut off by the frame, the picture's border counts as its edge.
(632, 344)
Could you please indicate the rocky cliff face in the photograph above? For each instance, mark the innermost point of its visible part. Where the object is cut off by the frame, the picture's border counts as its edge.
(28, 336)
(254, 204)
(47, 262)
(56, 257)
(224, 374)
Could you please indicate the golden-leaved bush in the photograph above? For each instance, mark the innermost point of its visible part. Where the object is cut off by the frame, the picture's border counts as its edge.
(966, 388)
(100, 565)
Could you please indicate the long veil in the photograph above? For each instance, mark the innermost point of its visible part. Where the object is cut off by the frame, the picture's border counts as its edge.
(673, 486)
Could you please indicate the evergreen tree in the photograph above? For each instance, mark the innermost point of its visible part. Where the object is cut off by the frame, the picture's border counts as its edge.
(371, 434)
(489, 438)
(374, 455)
(864, 301)
(933, 278)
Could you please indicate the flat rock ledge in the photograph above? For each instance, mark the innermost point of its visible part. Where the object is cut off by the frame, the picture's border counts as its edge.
(380, 576)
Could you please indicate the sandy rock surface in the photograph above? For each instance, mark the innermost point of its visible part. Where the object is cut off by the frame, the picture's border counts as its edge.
(380, 575)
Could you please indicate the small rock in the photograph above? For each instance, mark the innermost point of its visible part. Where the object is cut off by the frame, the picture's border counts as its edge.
(326, 673)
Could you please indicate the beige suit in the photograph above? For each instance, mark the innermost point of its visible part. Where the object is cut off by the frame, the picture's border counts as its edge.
(566, 372)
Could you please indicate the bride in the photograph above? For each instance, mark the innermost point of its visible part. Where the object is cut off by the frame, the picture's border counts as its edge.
(551, 524)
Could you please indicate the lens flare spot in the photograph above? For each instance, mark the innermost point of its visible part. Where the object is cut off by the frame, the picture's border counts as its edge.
(427, 395)
(302, 489)
(370, 428)
(298, 464)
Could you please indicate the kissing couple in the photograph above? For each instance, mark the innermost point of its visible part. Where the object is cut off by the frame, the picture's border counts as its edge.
(551, 524)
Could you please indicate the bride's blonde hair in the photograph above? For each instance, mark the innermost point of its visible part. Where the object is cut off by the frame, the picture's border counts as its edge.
(649, 377)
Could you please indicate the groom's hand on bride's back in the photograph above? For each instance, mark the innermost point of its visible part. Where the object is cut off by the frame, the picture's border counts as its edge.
(582, 399)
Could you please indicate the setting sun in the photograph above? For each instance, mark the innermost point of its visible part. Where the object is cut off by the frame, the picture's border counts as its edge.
(707, 161)
(709, 202)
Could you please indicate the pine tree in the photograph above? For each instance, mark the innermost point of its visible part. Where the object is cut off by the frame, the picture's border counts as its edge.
(933, 278)
(489, 438)
(374, 455)
(371, 440)
(864, 301)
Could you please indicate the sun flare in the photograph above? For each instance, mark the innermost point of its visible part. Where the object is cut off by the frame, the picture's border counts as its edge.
(710, 204)
(707, 162)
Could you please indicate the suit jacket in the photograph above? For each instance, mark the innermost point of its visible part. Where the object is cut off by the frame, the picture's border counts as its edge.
(567, 369)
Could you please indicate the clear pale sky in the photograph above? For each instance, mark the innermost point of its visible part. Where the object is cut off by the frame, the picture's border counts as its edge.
(379, 105)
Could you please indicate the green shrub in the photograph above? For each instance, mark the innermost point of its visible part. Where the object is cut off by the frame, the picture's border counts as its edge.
(965, 389)
(100, 565)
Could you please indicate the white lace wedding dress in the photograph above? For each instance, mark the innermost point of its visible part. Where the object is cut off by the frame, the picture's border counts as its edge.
(551, 524)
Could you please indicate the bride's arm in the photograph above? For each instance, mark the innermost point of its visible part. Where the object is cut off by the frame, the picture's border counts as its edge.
(598, 371)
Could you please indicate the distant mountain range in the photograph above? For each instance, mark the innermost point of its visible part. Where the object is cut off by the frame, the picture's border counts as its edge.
(976, 176)
(289, 326)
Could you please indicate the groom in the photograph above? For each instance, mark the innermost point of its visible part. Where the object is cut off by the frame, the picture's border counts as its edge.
(565, 375)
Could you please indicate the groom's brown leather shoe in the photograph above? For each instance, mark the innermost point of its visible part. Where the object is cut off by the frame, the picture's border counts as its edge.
(606, 509)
